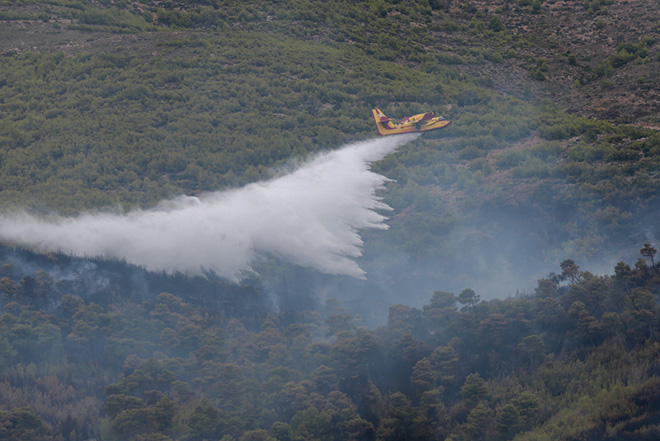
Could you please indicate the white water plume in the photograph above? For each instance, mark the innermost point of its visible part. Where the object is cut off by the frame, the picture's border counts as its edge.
(310, 217)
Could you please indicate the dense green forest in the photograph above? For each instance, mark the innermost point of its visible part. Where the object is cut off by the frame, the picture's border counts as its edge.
(576, 360)
(112, 104)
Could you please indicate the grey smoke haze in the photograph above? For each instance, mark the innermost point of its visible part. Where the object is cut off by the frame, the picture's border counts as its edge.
(310, 217)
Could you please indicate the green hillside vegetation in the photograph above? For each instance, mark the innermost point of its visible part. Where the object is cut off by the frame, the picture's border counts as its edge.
(151, 100)
(214, 95)
(207, 101)
(577, 359)
(134, 128)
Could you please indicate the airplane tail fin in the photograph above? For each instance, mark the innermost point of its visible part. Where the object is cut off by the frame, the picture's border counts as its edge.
(382, 121)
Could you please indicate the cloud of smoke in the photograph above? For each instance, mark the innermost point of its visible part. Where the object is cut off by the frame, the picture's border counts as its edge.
(310, 217)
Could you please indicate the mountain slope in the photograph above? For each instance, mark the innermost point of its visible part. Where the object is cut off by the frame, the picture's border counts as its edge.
(123, 104)
(126, 104)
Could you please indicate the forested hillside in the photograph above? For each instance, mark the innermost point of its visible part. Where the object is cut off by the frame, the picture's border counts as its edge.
(98, 357)
(551, 162)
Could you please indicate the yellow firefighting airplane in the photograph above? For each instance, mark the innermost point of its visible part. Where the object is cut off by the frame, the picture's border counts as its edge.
(424, 122)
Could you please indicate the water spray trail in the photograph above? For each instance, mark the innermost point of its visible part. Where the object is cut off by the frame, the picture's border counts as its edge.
(310, 217)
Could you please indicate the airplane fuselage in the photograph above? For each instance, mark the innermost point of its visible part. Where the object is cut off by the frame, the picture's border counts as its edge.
(423, 122)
